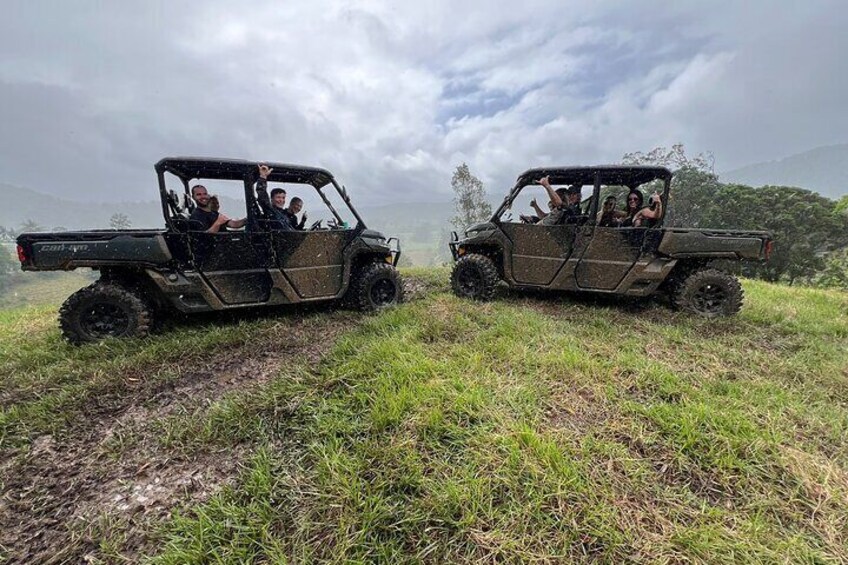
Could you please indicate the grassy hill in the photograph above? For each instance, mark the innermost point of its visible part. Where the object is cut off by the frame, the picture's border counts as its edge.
(534, 428)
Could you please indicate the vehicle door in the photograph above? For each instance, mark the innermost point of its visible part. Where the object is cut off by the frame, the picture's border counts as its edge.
(609, 252)
(235, 263)
(609, 256)
(539, 251)
(313, 259)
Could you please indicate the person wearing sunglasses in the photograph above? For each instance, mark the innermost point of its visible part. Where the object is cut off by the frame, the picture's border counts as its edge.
(638, 215)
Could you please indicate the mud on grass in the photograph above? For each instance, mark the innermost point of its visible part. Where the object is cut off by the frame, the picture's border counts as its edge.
(85, 473)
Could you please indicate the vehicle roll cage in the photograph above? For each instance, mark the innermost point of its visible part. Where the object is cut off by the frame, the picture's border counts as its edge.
(191, 168)
(631, 176)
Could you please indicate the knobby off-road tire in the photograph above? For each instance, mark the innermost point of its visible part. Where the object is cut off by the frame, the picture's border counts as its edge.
(376, 286)
(710, 293)
(474, 276)
(104, 310)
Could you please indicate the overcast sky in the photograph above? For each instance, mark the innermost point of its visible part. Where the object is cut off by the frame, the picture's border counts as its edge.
(391, 96)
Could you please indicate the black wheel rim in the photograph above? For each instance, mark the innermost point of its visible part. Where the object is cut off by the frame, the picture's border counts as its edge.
(470, 282)
(105, 320)
(383, 292)
(710, 298)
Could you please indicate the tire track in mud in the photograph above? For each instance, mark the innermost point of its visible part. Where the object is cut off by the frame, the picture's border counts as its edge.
(64, 494)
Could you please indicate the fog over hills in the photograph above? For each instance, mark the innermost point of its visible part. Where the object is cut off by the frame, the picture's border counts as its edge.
(22, 204)
(824, 169)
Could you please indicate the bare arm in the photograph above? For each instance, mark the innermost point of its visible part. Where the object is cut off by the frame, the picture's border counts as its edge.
(539, 212)
(656, 213)
(219, 221)
(556, 201)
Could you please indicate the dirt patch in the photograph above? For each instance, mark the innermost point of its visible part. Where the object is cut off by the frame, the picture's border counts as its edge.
(417, 289)
(108, 476)
(578, 411)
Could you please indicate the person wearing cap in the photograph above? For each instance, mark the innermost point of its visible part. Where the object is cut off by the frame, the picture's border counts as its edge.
(565, 202)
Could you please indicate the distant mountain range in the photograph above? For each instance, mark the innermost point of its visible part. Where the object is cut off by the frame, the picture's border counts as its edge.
(22, 204)
(824, 169)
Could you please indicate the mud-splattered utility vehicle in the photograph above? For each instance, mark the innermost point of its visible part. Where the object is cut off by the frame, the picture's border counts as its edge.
(583, 253)
(144, 274)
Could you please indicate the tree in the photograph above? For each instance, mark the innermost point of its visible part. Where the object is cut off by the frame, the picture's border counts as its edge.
(835, 271)
(674, 158)
(120, 221)
(469, 199)
(806, 226)
(693, 186)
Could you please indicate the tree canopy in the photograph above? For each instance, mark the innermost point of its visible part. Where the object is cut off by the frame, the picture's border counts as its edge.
(807, 227)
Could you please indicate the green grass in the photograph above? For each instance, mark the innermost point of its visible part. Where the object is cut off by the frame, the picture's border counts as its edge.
(530, 429)
(518, 431)
(35, 289)
(48, 386)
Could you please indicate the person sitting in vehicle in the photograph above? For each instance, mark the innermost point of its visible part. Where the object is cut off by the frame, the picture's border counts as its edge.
(648, 216)
(541, 214)
(639, 216)
(273, 206)
(293, 210)
(609, 217)
(561, 208)
(211, 221)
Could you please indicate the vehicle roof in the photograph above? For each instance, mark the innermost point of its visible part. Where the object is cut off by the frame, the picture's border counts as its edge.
(237, 169)
(625, 175)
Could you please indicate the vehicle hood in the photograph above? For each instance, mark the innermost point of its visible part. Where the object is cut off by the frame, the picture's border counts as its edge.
(372, 234)
(479, 228)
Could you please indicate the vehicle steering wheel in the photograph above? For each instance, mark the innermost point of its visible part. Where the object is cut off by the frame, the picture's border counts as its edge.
(316, 225)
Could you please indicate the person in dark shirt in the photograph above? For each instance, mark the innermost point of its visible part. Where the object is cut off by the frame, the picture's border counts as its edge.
(211, 221)
(294, 208)
(639, 216)
(273, 206)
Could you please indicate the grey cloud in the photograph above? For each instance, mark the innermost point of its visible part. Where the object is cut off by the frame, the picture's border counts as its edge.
(391, 99)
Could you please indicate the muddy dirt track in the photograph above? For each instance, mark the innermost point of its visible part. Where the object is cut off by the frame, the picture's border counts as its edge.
(109, 476)
(109, 473)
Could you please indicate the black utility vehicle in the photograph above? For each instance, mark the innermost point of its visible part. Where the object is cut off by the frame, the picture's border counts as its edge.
(146, 273)
(583, 253)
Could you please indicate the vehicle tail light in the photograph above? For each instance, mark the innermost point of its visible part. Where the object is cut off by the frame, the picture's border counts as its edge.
(768, 248)
(22, 257)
